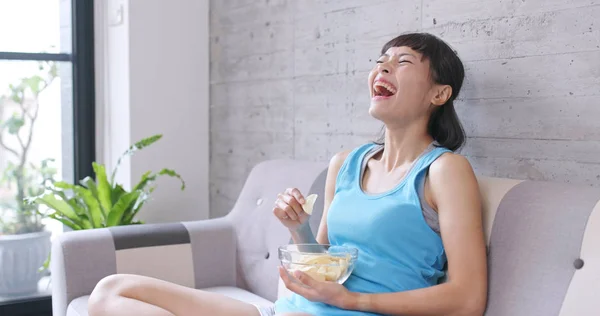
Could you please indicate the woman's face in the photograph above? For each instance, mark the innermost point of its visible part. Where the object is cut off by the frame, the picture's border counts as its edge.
(401, 87)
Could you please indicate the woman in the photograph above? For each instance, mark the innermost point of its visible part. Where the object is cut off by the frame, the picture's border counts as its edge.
(409, 204)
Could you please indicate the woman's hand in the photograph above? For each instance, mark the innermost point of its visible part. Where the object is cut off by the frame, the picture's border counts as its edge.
(331, 293)
(288, 209)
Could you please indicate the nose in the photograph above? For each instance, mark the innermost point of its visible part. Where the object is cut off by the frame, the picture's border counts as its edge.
(384, 68)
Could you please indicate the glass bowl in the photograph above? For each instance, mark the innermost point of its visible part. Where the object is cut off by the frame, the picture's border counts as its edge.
(321, 262)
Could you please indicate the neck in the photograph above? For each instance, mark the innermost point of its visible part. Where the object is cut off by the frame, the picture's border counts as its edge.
(404, 145)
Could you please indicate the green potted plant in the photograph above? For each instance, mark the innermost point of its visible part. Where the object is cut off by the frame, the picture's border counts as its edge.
(24, 244)
(102, 202)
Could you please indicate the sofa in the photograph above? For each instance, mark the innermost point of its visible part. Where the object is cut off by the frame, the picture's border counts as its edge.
(543, 246)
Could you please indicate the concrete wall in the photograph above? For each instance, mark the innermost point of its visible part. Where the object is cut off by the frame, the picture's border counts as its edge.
(288, 80)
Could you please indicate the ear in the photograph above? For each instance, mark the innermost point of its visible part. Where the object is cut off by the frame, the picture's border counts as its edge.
(442, 94)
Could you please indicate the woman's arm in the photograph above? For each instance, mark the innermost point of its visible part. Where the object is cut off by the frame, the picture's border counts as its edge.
(455, 195)
(303, 235)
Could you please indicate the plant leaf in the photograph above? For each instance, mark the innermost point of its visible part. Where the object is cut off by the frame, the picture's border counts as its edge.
(116, 213)
(104, 189)
(93, 206)
(53, 72)
(117, 192)
(61, 207)
(17, 93)
(96, 210)
(172, 173)
(144, 143)
(86, 223)
(46, 264)
(64, 185)
(14, 124)
(130, 214)
(89, 183)
(131, 150)
(146, 178)
(65, 222)
(34, 84)
(79, 208)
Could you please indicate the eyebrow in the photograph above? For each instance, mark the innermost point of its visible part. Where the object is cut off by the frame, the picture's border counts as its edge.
(401, 55)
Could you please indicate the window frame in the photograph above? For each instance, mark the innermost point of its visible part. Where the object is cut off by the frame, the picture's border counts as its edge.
(84, 120)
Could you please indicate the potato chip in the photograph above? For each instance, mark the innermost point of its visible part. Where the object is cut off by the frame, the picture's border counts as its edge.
(315, 274)
(322, 267)
(309, 203)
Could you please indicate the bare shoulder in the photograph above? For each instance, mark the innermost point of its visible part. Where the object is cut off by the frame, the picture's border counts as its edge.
(335, 164)
(452, 176)
(338, 159)
(451, 166)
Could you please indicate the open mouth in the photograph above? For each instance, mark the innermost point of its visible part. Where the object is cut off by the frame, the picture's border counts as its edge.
(383, 88)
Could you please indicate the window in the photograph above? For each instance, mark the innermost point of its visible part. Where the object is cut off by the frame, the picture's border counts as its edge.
(46, 130)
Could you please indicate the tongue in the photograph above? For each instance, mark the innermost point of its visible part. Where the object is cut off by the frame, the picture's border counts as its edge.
(385, 92)
(382, 91)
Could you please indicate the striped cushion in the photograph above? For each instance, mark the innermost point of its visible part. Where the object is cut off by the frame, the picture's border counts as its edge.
(142, 250)
(194, 254)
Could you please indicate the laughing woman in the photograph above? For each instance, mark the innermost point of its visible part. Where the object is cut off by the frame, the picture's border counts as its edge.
(409, 204)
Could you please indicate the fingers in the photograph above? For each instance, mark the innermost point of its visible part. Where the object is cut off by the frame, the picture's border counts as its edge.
(284, 211)
(296, 194)
(289, 205)
(291, 201)
(280, 214)
(296, 287)
(305, 278)
(283, 274)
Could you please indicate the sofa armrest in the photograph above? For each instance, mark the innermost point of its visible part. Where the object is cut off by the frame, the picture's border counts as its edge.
(195, 254)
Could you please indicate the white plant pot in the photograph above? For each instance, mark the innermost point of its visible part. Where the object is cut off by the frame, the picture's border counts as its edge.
(21, 256)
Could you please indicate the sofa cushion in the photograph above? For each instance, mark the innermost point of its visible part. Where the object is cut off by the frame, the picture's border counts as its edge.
(582, 295)
(492, 192)
(536, 237)
(259, 234)
(240, 294)
(78, 307)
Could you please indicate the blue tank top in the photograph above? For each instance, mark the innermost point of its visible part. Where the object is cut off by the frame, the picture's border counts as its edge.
(398, 250)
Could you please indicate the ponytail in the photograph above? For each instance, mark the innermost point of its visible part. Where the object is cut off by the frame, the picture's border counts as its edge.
(445, 128)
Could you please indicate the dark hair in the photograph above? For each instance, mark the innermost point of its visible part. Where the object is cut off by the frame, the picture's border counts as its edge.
(447, 69)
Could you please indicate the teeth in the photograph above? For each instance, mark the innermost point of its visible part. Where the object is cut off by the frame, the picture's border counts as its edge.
(385, 85)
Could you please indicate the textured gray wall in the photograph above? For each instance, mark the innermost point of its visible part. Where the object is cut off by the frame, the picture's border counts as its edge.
(288, 80)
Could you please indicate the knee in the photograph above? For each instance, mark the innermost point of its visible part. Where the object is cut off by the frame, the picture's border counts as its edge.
(114, 284)
(108, 289)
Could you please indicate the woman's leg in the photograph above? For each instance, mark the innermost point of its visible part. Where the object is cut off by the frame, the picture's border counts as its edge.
(120, 295)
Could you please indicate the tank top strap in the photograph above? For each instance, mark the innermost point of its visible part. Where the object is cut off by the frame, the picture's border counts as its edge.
(431, 155)
(351, 168)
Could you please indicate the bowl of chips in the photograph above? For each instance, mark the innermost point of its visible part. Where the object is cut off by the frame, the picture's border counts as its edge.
(321, 262)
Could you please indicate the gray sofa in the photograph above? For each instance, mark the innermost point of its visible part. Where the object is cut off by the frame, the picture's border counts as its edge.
(543, 246)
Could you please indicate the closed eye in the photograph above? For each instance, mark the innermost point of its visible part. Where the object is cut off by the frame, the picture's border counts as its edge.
(404, 61)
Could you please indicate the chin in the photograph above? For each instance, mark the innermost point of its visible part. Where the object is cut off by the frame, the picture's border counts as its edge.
(376, 111)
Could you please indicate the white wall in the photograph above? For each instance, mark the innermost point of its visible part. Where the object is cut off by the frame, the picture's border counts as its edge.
(152, 77)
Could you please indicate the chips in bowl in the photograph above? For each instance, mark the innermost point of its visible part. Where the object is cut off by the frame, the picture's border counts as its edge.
(322, 267)
(321, 262)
